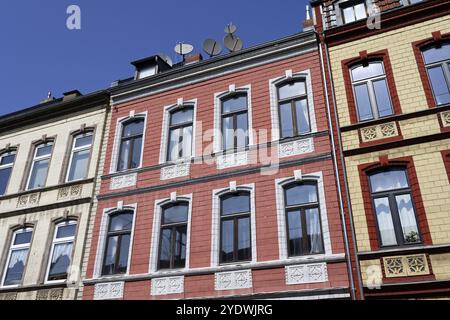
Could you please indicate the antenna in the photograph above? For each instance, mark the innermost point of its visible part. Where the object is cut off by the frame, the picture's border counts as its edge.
(230, 28)
(183, 49)
(212, 47)
(233, 43)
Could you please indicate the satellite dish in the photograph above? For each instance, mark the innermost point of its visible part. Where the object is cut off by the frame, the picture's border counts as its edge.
(233, 43)
(166, 58)
(212, 47)
(183, 48)
(230, 28)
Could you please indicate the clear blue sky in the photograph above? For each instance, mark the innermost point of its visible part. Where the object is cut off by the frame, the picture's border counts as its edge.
(39, 54)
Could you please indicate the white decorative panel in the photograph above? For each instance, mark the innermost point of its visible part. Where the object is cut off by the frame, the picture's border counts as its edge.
(297, 147)
(233, 280)
(119, 182)
(175, 171)
(232, 160)
(169, 285)
(306, 273)
(29, 200)
(111, 290)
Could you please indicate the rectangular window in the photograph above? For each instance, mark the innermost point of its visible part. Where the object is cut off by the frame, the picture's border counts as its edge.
(39, 167)
(354, 11)
(17, 257)
(6, 165)
(79, 158)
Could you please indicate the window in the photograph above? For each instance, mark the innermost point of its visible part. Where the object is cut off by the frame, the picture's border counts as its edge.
(235, 122)
(61, 251)
(17, 257)
(173, 236)
(131, 144)
(79, 157)
(394, 208)
(437, 64)
(293, 109)
(180, 133)
(304, 230)
(235, 232)
(371, 92)
(353, 11)
(39, 167)
(6, 165)
(118, 243)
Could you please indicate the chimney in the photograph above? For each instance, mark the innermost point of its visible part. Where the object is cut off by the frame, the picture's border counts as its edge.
(71, 95)
(308, 24)
(193, 58)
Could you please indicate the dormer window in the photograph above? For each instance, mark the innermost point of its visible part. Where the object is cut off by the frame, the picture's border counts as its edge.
(150, 66)
(146, 72)
(353, 11)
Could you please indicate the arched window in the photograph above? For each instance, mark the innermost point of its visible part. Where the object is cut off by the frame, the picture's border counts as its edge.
(394, 207)
(61, 251)
(17, 257)
(235, 227)
(303, 223)
(235, 121)
(173, 236)
(437, 64)
(131, 144)
(180, 133)
(79, 157)
(118, 242)
(293, 109)
(6, 165)
(39, 167)
(371, 91)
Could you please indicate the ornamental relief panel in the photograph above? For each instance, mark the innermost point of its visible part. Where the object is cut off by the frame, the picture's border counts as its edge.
(72, 192)
(169, 285)
(50, 294)
(445, 116)
(381, 131)
(108, 291)
(175, 171)
(29, 200)
(294, 148)
(233, 280)
(406, 266)
(124, 181)
(232, 160)
(306, 273)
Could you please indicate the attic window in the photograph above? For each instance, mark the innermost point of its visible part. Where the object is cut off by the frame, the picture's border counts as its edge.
(146, 71)
(353, 11)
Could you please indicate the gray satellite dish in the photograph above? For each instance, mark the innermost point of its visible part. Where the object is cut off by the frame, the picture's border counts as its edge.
(166, 58)
(230, 28)
(233, 43)
(183, 49)
(212, 47)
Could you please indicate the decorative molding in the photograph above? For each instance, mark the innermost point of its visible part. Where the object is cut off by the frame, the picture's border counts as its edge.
(306, 273)
(8, 296)
(406, 266)
(124, 181)
(50, 294)
(232, 160)
(445, 116)
(233, 280)
(169, 285)
(72, 192)
(107, 291)
(296, 147)
(381, 131)
(175, 171)
(29, 200)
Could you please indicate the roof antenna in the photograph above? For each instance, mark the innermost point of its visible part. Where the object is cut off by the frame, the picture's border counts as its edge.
(49, 95)
(231, 41)
(183, 49)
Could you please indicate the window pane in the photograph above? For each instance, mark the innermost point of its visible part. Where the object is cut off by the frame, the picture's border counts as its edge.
(124, 249)
(83, 141)
(175, 214)
(234, 104)
(38, 174)
(292, 89)
(79, 166)
(287, 128)
(124, 155)
(439, 85)
(182, 116)
(314, 231)
(389, 180)
(349, 15)
(110, 257)
(385, 224)
(133, 128)
(23, 237)
(407, 218)
(5, 174)
(244, 243)
(123, 221)
(187, 141)
(180, 247)
(360, 11)
(66, 231)
(299, 194)
(434, 54)
(164, 251)
(60, 261)
(383, 98)
(363, 102)
(44, 151)
(302, 116)
(7, 159)
(373, 69)
(242, 130)
(16, 267)
(136, 158)
(295, 233)
(227, 237)
(228, 133)
(235, 204)
(174, 141)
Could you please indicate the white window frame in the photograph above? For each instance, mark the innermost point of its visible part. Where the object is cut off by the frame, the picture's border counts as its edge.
(166, 127)
(12, 248)
(274, 108)
(117, 140)
(281, 215)
(82, 148)
(7, 166)
(103, 233)
(36, 159)
(154, 247)
(215, 229)
(55, 242)
(218, 98)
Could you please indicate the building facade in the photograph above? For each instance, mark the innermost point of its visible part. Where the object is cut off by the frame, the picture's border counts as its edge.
(48, 165)
(219, 182)
(387, 63)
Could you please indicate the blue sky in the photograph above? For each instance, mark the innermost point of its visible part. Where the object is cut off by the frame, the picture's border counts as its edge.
(39, 54)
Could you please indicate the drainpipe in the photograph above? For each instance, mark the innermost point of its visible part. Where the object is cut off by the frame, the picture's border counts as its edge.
(336, 171)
